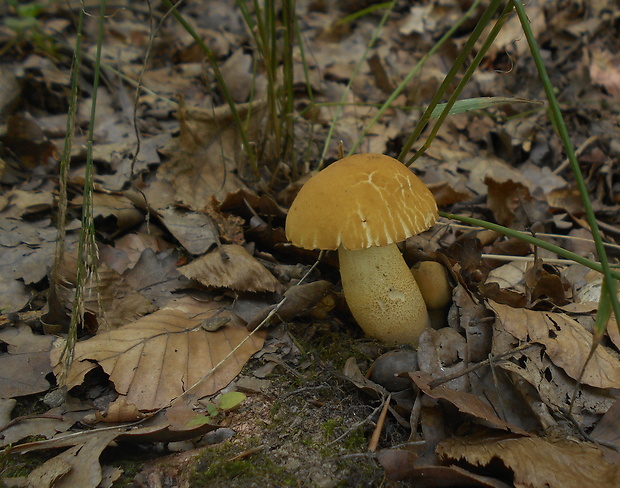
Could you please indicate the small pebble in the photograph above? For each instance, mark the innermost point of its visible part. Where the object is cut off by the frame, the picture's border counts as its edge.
(388, 365)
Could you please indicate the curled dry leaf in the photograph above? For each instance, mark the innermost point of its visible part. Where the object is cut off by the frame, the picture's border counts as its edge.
(465, 402)
(160, 356)
(401, 465)
(566, 342)
(535, 461)
(117, 207)
(300, 300)
(77, 466)
(231, 267)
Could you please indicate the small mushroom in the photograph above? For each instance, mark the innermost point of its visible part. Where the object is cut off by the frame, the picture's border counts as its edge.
(362, 205)
(432, 279)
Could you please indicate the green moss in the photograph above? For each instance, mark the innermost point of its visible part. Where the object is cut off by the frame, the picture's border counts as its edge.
(356, 440)
(13, 465)
(219, 467)
(330, 426)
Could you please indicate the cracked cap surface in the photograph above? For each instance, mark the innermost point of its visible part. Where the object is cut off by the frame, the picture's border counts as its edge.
(360, 201)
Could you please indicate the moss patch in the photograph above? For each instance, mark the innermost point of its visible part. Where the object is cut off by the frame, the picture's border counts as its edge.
(245, 464)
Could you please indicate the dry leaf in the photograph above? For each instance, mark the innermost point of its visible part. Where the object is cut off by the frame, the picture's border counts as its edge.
(24, 366)
(155, 276)
(400, 465)
(566, 342)
(51, 423)
(465, 402)
(207, 152)
(120, 303)
(554, 387)
(117, 209)
(608, 428)
(300, 300)
(194, 230)
(535, 461)
(231, 266)
(605, 71)
(27, 249)
(76, 467)
(160, 356)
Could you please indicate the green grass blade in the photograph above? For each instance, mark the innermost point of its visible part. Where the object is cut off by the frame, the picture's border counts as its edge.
(416, 69)
(371, 43)
(560, 251)
(558, 121)
(221, 83)
(365, 11)
(481, 103)
(485, 19)
(87, 246)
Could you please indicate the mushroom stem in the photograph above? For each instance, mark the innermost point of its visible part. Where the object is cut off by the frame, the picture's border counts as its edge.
(382, 294)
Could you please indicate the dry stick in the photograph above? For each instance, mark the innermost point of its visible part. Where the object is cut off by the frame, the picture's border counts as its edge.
(374, 439)
(358, 425)
(305, 389)
(578, 153)
(529, 259)
(457, 374)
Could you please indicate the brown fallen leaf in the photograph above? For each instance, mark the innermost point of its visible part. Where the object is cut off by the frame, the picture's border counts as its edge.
(155, 276)
(25, 364)
(608, 428)
(545, 281)
(117, 208)
(197, 168)
(160, 356)
(506, 199)
(48, 424)
(194, 230)
(554, 387)
(117, 301)
(300, 300)
(27, 249)
(534, 461)
(466, 402)
(78, 466)
(566, 342)
(401, 465)
(232, 267)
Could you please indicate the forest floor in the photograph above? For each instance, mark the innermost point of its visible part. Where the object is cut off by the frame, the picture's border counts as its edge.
(172, 383)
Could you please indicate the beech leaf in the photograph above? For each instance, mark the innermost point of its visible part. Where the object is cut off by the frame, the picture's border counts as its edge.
(158, 357)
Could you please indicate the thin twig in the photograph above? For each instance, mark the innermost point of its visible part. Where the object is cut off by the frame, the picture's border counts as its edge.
(358, 425)
(578, 152)
(457, 374)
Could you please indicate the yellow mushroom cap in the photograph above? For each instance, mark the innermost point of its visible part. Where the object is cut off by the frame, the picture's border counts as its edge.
(360, 201)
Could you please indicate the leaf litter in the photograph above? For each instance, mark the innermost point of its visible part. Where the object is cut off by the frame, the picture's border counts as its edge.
(193, 257)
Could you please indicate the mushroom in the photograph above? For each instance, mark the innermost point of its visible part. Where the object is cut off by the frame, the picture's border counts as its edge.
(363, 205)
(432, 279)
